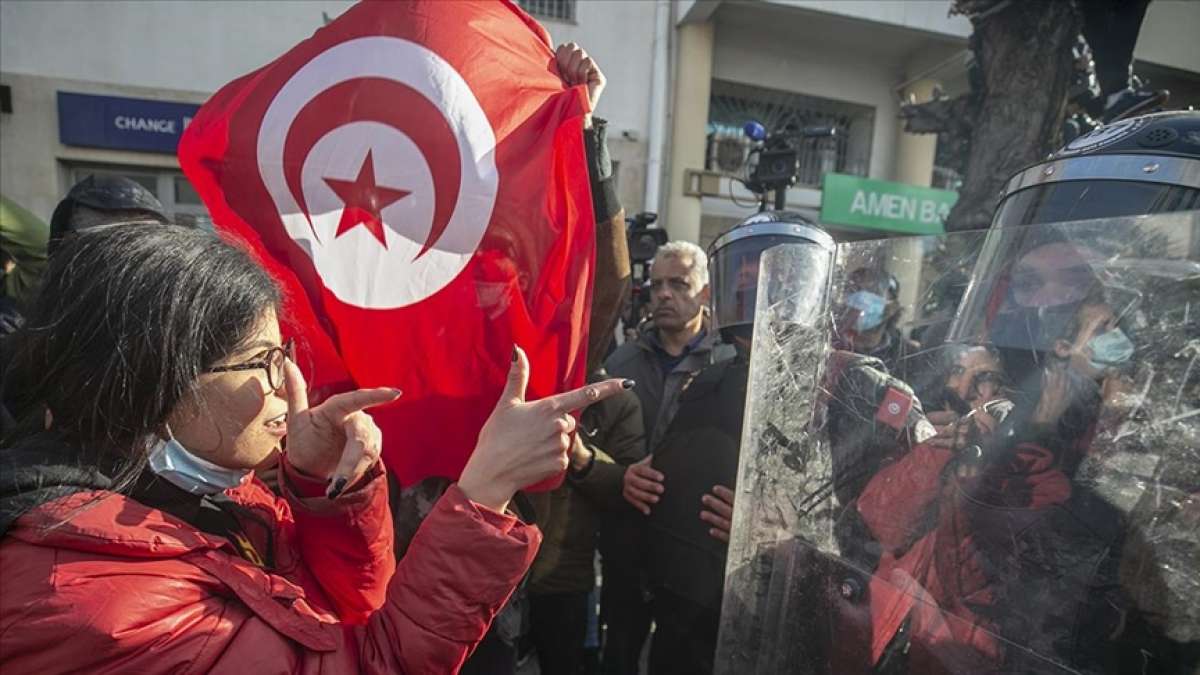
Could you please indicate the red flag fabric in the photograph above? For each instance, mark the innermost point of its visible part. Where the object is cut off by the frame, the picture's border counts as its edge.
(414, 175)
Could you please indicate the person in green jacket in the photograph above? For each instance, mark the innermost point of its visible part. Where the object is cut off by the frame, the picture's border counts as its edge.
(23, 239)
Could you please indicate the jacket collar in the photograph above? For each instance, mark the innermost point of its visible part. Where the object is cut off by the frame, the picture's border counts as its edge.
(648, 340)
(112, 524)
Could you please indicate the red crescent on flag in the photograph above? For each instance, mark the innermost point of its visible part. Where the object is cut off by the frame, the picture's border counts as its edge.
(394, 104)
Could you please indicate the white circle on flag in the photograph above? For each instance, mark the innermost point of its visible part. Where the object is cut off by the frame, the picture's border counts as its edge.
(894, 408)
(355, 266)
(340, 154)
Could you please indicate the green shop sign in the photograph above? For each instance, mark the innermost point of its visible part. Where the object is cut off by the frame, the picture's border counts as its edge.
(880, 205)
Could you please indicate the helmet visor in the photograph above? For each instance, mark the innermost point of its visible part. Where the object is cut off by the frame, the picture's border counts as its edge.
(1093, 199)
(1033, 286)
(734, 273)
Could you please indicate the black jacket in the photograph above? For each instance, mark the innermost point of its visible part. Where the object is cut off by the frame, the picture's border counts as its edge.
(699, 450)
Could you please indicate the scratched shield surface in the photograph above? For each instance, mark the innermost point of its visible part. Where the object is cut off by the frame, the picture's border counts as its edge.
(1038, 510)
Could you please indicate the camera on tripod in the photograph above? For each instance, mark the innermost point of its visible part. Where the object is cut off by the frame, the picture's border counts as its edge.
(643, 240)
(778, 163)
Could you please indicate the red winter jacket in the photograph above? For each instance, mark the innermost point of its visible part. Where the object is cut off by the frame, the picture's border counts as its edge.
(121, 587)
(932, 571)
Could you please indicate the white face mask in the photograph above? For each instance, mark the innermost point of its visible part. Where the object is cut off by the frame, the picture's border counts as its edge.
(171, 461)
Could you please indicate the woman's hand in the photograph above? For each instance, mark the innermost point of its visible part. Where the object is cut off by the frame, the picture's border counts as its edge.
(335, 441)
(522, 442)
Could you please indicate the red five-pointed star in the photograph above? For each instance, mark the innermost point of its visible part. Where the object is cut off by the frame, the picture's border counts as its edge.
(364, 199)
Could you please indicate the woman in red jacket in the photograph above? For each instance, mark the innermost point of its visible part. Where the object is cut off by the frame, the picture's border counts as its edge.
(149, 382)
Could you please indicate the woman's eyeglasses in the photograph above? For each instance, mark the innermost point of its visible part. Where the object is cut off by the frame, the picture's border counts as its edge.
(272, 361)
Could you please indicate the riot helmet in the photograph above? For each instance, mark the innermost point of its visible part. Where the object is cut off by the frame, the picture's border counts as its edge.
(1139, 166)
(734, 264)
(100, 200)
(1035, 291)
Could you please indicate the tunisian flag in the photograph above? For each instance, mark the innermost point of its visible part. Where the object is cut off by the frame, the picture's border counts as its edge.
(414, 175)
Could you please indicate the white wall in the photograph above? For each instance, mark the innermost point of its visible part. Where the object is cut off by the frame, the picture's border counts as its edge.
(201, 45)
(924, 15)
(196, 47)
(1170, 34)
(787, 58)
(619, 34)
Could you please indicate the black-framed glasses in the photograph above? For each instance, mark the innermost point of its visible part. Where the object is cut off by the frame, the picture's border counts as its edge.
(272, 362)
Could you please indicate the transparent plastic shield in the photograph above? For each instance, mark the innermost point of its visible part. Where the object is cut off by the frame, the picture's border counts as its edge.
(984, 495)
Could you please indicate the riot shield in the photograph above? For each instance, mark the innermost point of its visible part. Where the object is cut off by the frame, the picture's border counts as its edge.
(1016, 490)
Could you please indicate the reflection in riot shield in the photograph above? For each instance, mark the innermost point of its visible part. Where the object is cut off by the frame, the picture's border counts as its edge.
(1051, 521)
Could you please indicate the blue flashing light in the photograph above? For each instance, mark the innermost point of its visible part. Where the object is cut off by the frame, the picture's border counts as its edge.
(755, 131)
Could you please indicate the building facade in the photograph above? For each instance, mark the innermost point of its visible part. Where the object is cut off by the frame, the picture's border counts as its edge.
(108, 86)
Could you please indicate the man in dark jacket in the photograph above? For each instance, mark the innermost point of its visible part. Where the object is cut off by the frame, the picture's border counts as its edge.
(686, 566)
(669, 349)
(672, 346)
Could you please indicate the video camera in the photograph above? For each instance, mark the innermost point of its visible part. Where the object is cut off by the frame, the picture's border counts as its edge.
(643, 240)
(778, 160)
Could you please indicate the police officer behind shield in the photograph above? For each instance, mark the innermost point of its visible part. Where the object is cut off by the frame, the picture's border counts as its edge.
(1075, 331)
(1060, 541)
(698, 455)
(1058, 579)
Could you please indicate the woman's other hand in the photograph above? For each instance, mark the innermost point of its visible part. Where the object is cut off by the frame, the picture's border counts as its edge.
(523, 443)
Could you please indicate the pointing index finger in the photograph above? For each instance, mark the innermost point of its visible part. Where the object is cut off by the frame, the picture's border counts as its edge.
(343, 405)
(582, 397)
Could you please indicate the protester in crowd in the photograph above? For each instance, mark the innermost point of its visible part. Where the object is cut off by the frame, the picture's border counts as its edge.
(675, 344)
(23, 254)
(505, 645)
(668, 350)
(134, 534)
(940, 512)
(101, 199)
(972, 378)
(93, 201)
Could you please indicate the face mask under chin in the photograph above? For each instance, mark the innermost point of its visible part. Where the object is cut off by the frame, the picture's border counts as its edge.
(172, 462)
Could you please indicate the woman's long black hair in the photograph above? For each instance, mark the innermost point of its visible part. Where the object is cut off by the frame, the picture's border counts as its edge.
(128, 316)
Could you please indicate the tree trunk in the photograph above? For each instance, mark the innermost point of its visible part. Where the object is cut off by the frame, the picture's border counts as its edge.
(1024, 52)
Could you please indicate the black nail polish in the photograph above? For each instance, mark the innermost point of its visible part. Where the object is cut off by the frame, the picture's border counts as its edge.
(627, 384)
(514, 354)
(338, 485)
